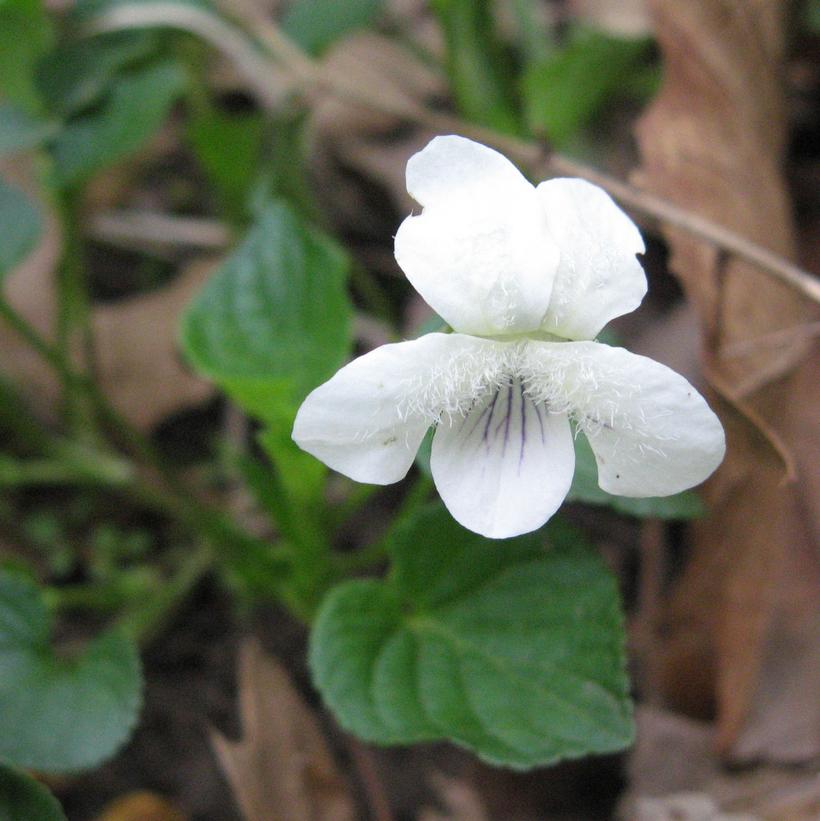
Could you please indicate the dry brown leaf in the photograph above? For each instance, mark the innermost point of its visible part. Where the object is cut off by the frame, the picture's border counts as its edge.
(139, 366)
(364, 140)
(684, 807)
(281, 769)
(712, 142)
(417, 21)
(626, 18)
(141, 806)
(460, 800)
(673, 767)
(380, 69)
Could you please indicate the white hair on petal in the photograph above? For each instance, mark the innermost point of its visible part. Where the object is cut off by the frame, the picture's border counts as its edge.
(455, 383)
(596, 399)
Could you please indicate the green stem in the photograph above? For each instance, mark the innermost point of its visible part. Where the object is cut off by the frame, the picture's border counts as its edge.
(74, 327)
(132, 439)
(102, 469)
(46, 351)
(98, 597)
(348, 563)
(149, 618)
(155, 484)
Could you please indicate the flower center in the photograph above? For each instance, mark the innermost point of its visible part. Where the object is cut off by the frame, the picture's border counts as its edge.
(474, 374)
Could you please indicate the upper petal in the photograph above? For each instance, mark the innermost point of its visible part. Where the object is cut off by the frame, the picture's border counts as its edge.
(598, 276)
(652, 433)
(480, 252)
(505, 467)
(369, 419)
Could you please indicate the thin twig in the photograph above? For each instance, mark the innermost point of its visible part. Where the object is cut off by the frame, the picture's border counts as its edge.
(138, 228)
(249, 60)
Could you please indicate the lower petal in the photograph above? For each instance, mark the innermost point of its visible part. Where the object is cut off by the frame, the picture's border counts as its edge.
(369, 419)
(505, 467)
(652, 433)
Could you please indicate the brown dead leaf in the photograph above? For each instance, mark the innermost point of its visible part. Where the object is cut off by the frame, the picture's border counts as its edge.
(673, 768)
(713, 142)
(365, 140)
(141, 806)
(460, 799)
(281, 769)
(381, 69)
(684, 807)
(625, 18)
(138, 364)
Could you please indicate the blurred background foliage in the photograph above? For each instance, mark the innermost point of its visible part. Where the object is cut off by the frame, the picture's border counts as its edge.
(196, 221)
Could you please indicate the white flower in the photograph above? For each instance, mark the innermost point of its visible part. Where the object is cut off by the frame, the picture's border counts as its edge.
(522, 274)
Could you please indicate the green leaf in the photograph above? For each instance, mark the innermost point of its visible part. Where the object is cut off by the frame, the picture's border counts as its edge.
(137, 106)
(274, 321)
(24, 799)
(284, 173)
(478, 68)
(252, 564)
(20, 131)
(228, 147)
(26, 34)
(566, 90)
(315, 24)
(424, 453)
(686, 505)
(512, 650)
(60, 715)
(21, 227)
(78, 73)
(301, 475)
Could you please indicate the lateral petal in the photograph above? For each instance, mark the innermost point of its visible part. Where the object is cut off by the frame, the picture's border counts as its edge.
(369, 419)
(505, 467)
(652, 433)
(598, 275)
(480, 253)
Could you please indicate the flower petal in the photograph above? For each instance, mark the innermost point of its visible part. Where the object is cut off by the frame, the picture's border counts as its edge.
(505, 467)
(480, 252)
(652, 433)
(598, 276)
(369, 419)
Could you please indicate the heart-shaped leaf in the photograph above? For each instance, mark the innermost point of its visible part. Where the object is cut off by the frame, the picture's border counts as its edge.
(514, 650)
(274, 321)
(60, 714)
